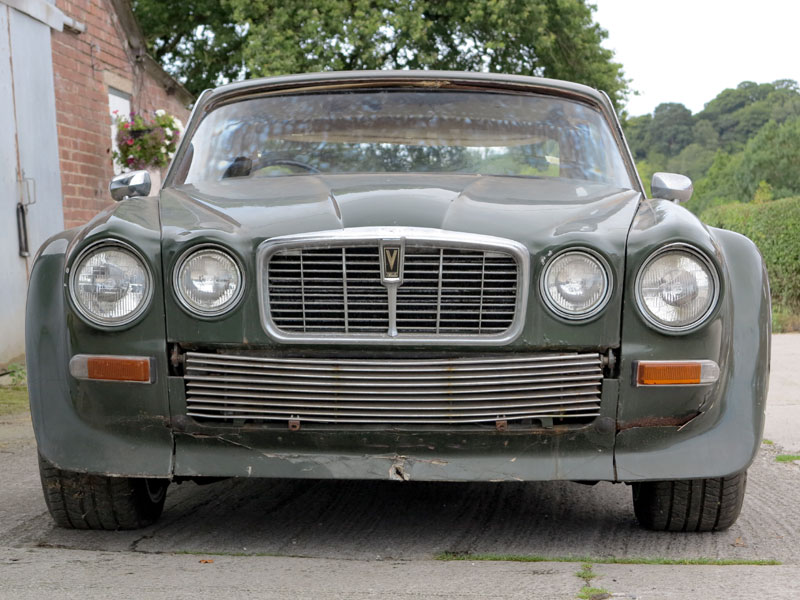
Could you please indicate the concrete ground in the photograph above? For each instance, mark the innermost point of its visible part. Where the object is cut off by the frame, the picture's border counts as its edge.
(783, 403)
(343, 539)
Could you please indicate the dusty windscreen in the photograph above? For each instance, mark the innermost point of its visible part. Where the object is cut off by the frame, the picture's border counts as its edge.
(405, 130)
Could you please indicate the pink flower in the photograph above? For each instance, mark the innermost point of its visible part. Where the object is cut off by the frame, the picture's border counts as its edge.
(116, 112)
(126, 125)
(130, 141)
(130, 160)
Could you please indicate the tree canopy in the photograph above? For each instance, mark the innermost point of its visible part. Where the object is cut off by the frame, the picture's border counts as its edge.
(196, 41)
(741, 147)
(206, 42)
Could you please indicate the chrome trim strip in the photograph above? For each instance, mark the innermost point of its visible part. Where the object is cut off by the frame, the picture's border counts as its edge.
(227, 387)
(405, 235)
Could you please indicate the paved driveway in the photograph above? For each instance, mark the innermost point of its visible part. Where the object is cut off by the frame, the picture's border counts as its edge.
(342, 539)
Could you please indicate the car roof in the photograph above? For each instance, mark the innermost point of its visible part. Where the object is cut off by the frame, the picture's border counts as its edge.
(231, 91)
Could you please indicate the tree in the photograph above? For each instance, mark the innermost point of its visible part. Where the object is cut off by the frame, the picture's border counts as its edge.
(197, 41)
(671, 129)
(738, 114)
(550, 38)
(772, 156)
(636, 132)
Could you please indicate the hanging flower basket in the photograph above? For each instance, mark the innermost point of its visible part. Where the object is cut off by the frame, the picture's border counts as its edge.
(145, 141)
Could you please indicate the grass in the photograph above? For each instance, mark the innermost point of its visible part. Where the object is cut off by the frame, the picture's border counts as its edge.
(787, 457)
(587, 592)
(13, 399)
(586, 573)
(767, 442)
(608, 560)
(784, 319)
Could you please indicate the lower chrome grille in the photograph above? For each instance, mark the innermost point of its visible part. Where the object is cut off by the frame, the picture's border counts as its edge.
(544, 387)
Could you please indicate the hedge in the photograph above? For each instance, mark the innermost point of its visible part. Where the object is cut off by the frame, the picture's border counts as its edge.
(775, 228)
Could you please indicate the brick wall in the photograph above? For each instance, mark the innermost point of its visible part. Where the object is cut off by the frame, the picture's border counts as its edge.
(85, 65)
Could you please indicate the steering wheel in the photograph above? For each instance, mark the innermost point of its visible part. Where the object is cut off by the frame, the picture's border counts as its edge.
(284, 162)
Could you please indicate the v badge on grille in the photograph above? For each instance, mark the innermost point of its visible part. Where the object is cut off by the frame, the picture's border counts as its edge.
(392, 262)
(392, 258)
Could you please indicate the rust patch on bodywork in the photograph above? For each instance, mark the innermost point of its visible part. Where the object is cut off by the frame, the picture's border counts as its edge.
(657, 422)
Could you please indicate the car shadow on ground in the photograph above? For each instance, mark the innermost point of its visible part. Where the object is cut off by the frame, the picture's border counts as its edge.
(404, 520)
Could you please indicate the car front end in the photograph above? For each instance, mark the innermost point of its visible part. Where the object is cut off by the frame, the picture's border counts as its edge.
(515, 310)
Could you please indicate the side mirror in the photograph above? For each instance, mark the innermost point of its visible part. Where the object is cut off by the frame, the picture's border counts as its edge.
(671, 186)
(130, 185)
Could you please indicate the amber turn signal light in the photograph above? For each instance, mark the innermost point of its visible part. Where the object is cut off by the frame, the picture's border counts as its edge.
(111, 368)
(675, 372)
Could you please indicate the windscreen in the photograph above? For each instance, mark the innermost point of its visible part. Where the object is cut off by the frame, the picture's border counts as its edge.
(404, 131)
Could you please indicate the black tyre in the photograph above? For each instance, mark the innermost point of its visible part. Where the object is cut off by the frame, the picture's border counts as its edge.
(81, 501)
(689, 504)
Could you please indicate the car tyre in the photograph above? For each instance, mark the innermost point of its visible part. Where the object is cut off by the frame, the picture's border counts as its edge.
(82, 501)
(689, 504)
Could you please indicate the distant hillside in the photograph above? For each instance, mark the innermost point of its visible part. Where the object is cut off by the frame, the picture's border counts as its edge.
(743, 146)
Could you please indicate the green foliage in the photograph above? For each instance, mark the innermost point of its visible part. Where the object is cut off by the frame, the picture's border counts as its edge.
(671, 129)
(205, 42)
(744, 136)
(694, 161)
(197, 41)
(14, 397)
(775, 229)
(788, 457)
(144, 141)
(738, 114)
(763, 193)
(772, 156)
(718, 185)
(17, 374)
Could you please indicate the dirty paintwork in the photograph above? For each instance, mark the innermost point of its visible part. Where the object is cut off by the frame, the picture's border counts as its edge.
(641, 433)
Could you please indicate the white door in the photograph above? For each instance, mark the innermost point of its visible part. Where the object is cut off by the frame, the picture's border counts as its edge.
(30, 178)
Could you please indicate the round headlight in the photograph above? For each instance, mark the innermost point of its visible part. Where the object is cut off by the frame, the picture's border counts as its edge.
(677, 288)
(110, 284)
(575, 285)
(208, 281)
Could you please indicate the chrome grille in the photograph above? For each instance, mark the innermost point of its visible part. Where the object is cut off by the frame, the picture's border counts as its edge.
(448, 290)
(543, 387)
(452, 286)
(328, 290)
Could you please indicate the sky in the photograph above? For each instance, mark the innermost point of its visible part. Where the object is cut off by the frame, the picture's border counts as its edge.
(688, 51)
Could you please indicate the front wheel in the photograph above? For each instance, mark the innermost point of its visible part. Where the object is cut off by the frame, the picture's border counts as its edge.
(81, 501)
(689, 504)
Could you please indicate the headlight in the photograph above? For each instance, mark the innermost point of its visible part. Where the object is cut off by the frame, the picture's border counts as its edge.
(110, 284)
(677, 288)
(208, 281)
(575, 284)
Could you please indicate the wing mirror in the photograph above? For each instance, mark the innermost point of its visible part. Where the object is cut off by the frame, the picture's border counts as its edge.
(130, 185)
(671, 186)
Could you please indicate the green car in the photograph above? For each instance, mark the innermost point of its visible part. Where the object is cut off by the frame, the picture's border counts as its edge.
(415, 276)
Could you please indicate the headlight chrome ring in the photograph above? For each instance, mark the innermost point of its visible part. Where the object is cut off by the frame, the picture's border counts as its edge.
(214, 287)
(689, 286)
(110, 283)
(576, 284)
